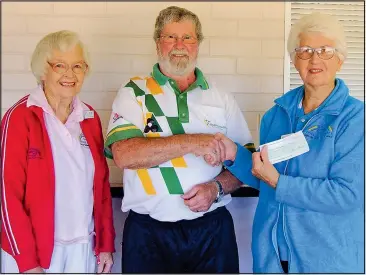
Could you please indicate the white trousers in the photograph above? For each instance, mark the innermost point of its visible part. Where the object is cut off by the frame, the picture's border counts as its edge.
(71, 258)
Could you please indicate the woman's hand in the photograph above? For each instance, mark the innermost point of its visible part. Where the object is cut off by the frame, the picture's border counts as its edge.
(228, 147)
(263, 169)
(208, 147)
(105, 262)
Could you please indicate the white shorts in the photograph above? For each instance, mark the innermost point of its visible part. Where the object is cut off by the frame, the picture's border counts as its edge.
(71, 258)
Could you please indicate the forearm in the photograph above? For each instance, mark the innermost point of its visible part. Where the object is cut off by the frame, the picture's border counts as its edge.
(229, 182)
(142, 153)
(242, 166)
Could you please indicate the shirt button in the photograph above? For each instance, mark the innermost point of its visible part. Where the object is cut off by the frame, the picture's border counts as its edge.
(183, 114)
(181, 96)
(302, 120)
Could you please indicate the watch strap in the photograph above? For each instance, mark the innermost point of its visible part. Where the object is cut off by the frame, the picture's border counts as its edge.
(220, 192)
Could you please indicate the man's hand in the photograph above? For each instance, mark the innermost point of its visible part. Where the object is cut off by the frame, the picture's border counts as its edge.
(201, 196)
(209, 147)
(37, 269)
(263, 169)
(228, 147)
(105, 262)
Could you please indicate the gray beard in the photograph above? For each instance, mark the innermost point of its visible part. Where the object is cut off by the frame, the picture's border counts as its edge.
(179, 69)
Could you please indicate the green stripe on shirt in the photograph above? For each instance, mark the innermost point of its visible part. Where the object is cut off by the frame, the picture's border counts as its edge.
(136, 89)
(171, 180)
(121, 135)
(152, 105)
(175, 125)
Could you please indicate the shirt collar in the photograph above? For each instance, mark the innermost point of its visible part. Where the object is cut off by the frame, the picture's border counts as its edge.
(38, 98)
(162, 79)
(332, 104)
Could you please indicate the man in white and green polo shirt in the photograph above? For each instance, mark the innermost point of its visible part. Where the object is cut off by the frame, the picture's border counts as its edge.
(162, 127)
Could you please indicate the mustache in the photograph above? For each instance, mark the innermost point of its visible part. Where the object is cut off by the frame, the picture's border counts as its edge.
(183, 52)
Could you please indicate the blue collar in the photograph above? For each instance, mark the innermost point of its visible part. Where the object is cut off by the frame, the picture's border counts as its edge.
(332, 104)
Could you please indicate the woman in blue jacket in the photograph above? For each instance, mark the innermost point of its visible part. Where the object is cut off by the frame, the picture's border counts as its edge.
(310, 216)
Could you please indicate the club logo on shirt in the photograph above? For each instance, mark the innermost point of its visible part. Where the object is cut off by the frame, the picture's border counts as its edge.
(34, 153)
(150, 126)
(83, 141)
(210, 124)
(116, 117)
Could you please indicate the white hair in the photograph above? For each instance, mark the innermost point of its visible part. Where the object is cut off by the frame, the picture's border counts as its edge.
(63, 41)
(325, 24)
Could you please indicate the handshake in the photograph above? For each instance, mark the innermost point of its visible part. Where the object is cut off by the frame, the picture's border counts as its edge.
(214, 148)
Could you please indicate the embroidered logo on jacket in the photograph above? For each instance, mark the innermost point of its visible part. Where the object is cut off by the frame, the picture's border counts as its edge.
(34, 153)
(318, 131)
(83, 141)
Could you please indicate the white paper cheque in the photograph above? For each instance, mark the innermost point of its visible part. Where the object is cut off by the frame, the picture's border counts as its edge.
(286, 148)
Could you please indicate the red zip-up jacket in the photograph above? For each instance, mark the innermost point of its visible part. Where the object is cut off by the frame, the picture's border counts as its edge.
(28, 187)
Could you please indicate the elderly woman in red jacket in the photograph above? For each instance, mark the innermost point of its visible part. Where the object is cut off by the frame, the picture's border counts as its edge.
(56, 206)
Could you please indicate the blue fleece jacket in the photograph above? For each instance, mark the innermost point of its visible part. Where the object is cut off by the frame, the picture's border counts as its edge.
(320, 194)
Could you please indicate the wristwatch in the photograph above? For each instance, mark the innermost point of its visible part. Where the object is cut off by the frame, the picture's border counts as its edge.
(220, 192)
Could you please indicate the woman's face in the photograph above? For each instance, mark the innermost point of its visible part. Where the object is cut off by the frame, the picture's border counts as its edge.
(317, 72)
(65, 73)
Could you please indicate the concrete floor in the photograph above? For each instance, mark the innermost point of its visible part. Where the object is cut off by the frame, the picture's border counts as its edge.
(241, 208)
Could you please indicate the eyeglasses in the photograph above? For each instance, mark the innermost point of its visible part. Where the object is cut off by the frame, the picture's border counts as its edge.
(172, 38)
(324, 52)
(62, 68)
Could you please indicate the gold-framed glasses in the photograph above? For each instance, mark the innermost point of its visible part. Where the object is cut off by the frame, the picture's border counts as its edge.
(306, 52)
(172, 38)
(61, 68)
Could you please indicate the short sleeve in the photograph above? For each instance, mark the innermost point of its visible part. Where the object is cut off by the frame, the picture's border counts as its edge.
(126, 119)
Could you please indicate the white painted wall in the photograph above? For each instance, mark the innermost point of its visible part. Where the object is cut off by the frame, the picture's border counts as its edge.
(243, 49)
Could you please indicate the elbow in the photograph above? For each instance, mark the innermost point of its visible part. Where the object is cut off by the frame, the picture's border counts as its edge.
(350, 201)
(125, 155)
(121, 162)
(119, 158)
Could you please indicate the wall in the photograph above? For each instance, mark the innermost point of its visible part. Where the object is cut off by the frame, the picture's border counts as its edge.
(243, 49)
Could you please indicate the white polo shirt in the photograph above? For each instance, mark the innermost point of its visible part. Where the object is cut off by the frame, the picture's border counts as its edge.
(74, 171)
(154, 107)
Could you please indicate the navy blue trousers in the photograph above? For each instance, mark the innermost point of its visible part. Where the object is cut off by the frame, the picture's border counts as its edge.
(203, 245)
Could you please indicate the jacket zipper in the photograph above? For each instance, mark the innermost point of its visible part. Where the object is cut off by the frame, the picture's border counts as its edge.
(279, 209)
(283, 208)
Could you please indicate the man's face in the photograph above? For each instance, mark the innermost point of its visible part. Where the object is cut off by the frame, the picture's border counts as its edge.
(177, 48)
